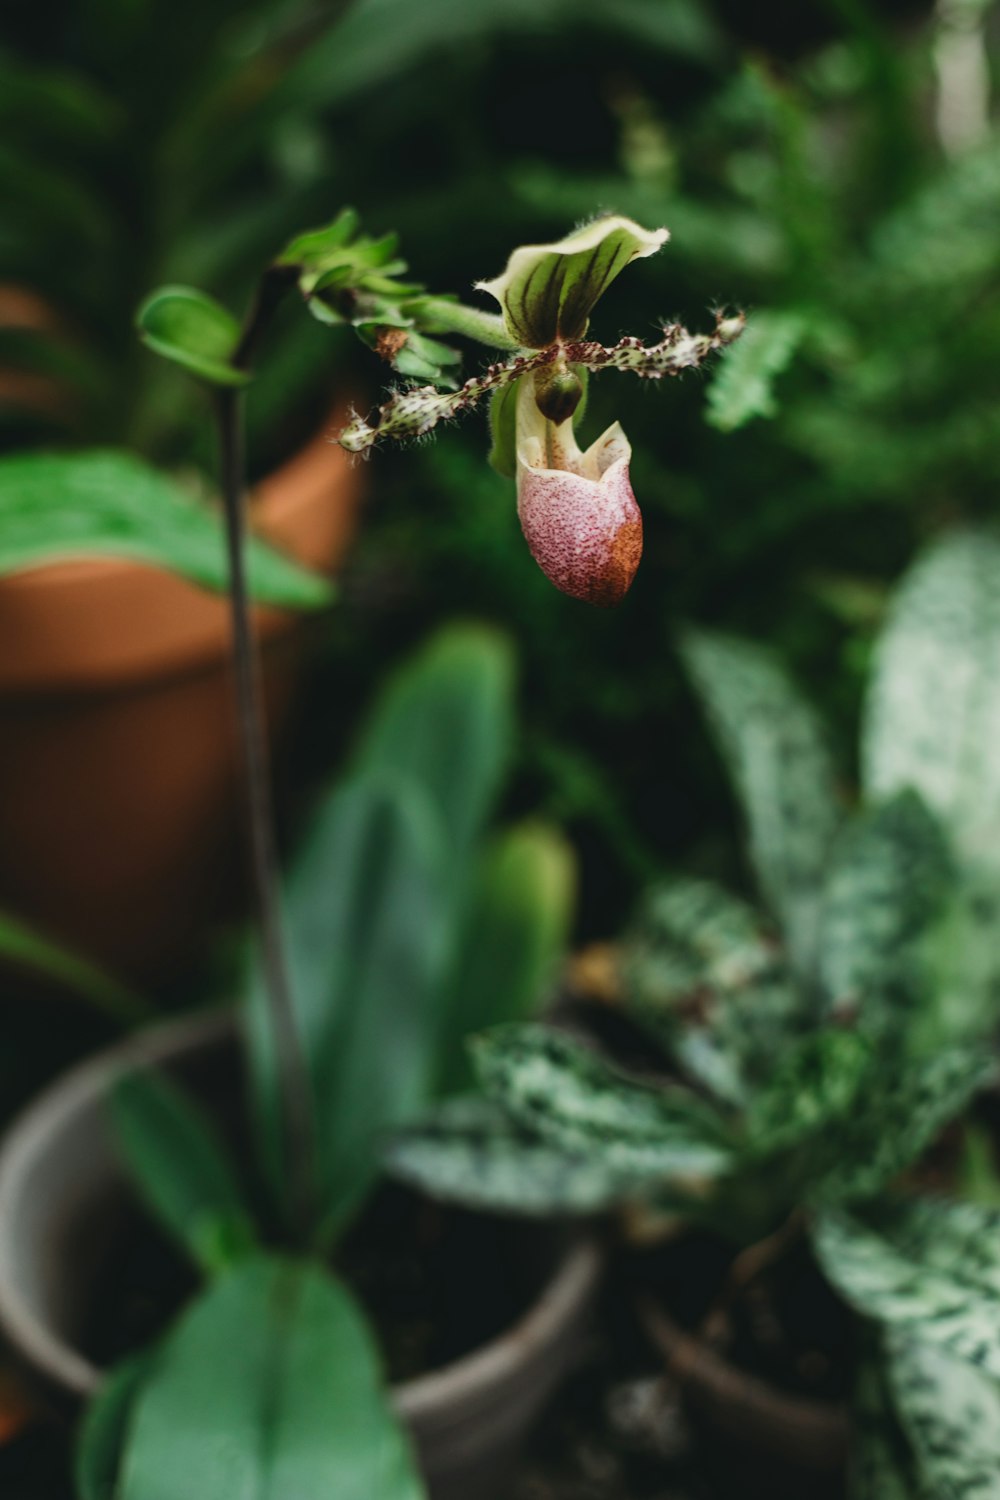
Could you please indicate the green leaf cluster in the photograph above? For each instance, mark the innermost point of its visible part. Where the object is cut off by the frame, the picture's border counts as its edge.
(409, 923)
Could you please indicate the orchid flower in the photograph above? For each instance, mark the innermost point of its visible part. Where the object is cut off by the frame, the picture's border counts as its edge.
(576, 507)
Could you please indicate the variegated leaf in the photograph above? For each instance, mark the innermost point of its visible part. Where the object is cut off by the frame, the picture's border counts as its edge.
(777, 756)
(933, 713)
(470, 1151)
(888, 887)
(951, 1410)
(882, 1465)
(928, 1268)
(702, 975)
(904, 1105)
(561, 1090)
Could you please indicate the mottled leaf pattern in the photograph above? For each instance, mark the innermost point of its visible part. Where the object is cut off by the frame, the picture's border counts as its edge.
(951, 1410)
(777, 756)
(889, 884)
(470, 1151)
(928, 1267)
(563, 1091)
(902, 1108)
(932, 719)
(701, 974)
(882, 1465)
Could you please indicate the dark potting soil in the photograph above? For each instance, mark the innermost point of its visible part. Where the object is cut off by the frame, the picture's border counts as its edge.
(621, 1429)
(436, 1282)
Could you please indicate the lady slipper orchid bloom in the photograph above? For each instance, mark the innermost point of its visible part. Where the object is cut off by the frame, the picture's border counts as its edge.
(577, 510)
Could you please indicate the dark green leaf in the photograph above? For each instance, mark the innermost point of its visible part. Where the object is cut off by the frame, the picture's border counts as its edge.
(514, 933)
(881, 1462)
(105, 1428)
(777, 756)
(104, 503)
(445, 721)
(367, 925)
(561, 1090)
(269, 1386)
(181, 1170)
(192, 330)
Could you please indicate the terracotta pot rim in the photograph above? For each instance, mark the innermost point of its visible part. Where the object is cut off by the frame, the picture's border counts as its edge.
(30, 1137)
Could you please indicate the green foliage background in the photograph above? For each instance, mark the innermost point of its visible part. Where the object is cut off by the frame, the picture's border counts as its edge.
(794, 157)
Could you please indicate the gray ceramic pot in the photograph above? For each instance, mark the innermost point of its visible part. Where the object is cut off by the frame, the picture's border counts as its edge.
(63, 1199)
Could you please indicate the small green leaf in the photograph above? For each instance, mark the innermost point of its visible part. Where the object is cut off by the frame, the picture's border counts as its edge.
(269, 1386)
(471, 1152)
(704, 977)
(181, 1170)
(193, 330)
(777, 756)
(562, 1091)
(889, 886)
(105, 1427)
(743, 385)
(27, 948)
(514, 934)
(105, 503)
(317, 246)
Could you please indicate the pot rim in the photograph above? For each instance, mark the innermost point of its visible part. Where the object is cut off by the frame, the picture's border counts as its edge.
(30, 1135)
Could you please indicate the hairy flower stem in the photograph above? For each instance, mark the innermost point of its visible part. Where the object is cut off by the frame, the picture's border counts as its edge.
(293, 1077)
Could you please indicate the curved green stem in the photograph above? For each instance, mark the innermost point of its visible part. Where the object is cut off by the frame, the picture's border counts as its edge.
(438, 315)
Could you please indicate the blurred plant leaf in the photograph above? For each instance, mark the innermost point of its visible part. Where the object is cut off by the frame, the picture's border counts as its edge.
(192, 330)
(934, 697)
(951, 1410)
(104, 503)
(777, 757)
(104, 1429)
(564, 1092)
(881, 1465)
(181, 1170)
(269, 1385)
(704, 977)
(22, 946)
(889, 885)
(444, 720)
(742, 386)
(367, 926)
(514, 934)
(471, 1152)
(925, 1267)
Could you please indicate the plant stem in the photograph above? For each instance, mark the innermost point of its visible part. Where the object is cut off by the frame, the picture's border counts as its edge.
(292, 1073)
(440, 315)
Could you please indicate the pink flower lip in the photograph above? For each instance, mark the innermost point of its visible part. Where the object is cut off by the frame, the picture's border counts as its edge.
(577, 510)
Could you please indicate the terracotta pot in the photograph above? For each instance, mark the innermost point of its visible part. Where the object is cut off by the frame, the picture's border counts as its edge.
(804, 1435)
(118, 754)
(62, 1197)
